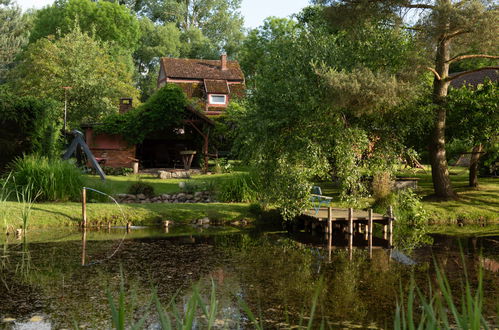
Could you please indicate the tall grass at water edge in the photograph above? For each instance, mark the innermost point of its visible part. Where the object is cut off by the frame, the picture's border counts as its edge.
(4, 196)
(440, 311)
(436, 311)
(51, 179)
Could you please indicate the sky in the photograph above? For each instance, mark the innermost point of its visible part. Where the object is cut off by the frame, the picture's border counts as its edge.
(254, 11)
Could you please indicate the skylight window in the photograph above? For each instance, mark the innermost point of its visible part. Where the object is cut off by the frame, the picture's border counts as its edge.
(218, 99)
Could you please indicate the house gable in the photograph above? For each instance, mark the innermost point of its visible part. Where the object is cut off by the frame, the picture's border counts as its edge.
(212, 83)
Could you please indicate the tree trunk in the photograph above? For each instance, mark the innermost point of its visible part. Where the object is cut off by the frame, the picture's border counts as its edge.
(475, 158)
(439, 170)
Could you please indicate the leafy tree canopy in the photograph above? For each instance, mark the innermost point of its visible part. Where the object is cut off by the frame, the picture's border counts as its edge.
(76, 60)
(107, 21)
(13, 35)
(473, 114)
(165, 109)
(322, 104)
(452, 34)
(213, 24)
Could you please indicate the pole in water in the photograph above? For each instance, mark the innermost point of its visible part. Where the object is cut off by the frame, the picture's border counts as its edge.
(350, 221)
(84, 207)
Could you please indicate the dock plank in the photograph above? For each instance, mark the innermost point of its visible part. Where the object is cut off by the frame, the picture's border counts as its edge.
(341, 214)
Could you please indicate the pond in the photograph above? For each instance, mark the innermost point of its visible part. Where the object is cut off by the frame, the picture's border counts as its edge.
(61, 278)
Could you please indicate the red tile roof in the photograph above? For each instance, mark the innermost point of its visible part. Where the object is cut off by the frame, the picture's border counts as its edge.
(216, 86)
(201, 69)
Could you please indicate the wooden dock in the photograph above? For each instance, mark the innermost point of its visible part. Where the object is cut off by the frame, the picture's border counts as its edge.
(349, 220)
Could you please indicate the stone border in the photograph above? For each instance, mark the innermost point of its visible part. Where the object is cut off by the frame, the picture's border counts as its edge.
(197, 197)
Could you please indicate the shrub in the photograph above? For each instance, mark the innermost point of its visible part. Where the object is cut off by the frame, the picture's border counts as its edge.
(141, 188)
(124, 171)
(237, 189)
(222, 165)
(50, 179)
(29, 125)
(410, 228)
(382, 185)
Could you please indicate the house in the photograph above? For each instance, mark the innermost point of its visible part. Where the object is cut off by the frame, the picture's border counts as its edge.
(211, 83)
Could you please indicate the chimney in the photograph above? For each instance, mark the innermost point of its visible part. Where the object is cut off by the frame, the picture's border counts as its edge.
(223, 61)
(125, 104)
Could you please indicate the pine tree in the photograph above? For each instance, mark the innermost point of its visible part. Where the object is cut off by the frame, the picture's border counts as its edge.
(13, 35)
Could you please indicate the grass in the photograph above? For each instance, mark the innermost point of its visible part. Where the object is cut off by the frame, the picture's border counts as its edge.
(120, 184)
(69, 214)
(474, 206)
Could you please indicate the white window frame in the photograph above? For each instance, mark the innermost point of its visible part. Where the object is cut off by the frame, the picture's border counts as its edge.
(210, 99)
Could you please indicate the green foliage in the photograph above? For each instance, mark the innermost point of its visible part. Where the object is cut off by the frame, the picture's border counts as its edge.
(206, 26)
(163, 110)
(13, 34)
(238, 188)
(222, 165)
(439, 310)
(321, 106)
(141, 188)
(410, 228)
(473, 115)
(156, 41)
(29, 125)
(105, 20)
(124, 171)
(48, 179)
(77, 60)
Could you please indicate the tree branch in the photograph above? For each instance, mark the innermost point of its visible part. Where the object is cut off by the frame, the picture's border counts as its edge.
(434, 72)
(455, 34)
(460, 74)
(418, 6)
(464, 57)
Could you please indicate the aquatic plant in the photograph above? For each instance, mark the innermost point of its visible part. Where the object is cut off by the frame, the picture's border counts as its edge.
(4, 196)
(439, 310)
(52, 179)
(26, 197)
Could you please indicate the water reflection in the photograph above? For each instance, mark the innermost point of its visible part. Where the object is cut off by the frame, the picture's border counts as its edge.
(276, 274)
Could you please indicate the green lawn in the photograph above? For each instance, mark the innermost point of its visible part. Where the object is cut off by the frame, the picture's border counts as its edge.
(69, 214)
(473, 206)
(120, 184)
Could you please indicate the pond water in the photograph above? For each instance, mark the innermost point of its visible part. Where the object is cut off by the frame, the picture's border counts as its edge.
(61, 279)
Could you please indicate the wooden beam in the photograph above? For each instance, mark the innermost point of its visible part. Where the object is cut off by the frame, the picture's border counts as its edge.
(350, 221)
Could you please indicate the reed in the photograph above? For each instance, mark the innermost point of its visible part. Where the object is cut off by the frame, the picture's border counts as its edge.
(52, 179)
(439, 310)
(26, 197)
(4, 196)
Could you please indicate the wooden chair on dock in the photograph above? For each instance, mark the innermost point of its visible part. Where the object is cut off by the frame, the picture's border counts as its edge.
(318, 199)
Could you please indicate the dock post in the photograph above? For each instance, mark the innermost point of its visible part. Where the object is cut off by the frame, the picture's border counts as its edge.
(83, 246)
(350, 221)
(330, 221)
(84, 207)
(390, 224)
(370, 222)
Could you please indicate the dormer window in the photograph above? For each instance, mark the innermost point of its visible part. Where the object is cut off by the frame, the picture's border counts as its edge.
(218, 99)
